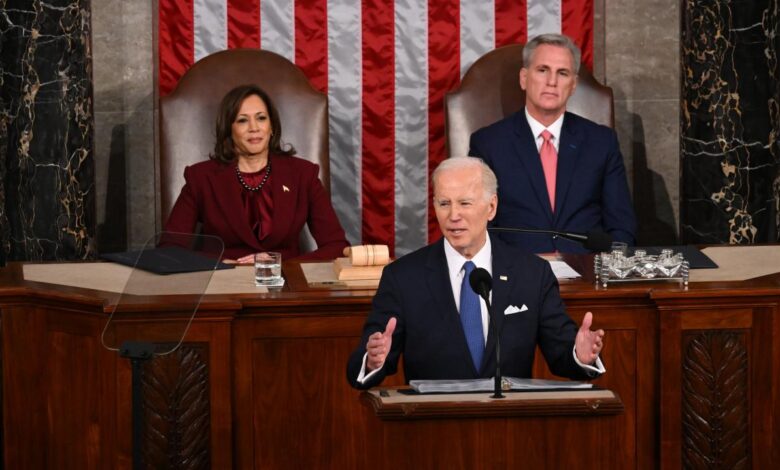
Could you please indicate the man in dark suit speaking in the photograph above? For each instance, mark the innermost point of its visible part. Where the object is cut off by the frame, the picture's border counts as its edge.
(556, 170)
(425, 309)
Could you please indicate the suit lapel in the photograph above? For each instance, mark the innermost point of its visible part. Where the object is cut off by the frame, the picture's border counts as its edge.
(285, 194)
(525, 148)
(227, 192)
(438, 279)
(568, 152)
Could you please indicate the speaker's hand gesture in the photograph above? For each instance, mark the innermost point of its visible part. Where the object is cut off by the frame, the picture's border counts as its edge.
(378, 346)
(588, 343)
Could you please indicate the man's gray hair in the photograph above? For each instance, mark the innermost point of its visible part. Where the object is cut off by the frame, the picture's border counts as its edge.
(551, 39)
(489, 181)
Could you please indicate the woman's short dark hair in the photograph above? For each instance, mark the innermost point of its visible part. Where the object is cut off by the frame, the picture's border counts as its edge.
(224, 148)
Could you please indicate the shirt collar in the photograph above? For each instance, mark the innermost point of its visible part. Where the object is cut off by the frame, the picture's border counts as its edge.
(537, 127)
(455, 261)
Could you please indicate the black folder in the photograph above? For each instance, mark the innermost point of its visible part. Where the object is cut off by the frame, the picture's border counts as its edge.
(167, 260)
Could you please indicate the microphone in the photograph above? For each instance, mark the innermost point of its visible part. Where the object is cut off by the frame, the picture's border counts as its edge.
(595, 240)
(481, 283)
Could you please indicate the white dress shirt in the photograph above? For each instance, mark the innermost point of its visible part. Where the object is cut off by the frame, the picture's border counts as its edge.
(455, 261)
(537, 128)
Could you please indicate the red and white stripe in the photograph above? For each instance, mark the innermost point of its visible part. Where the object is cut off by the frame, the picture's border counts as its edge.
(385, 66)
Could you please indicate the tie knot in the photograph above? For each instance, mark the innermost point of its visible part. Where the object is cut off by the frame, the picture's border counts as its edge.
(468, 266)
(546, 135)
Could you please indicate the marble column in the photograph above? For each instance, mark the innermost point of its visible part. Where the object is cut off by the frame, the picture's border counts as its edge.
(46, 130)
(730, 122)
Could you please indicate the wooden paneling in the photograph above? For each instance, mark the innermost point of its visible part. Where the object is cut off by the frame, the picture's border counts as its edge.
(693, 367)
(294, 406)
(550, 442)
(299, 399)
(58, 390)
(719, 380)
(176, 411)
(715, 400)
(630, 356)
(185, 386)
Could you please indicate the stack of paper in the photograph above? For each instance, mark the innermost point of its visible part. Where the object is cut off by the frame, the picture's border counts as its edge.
(486, 385)
(563, 271)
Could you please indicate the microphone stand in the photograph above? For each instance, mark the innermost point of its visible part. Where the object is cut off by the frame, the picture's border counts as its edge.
(578, 237)
(138, 353)
(481, 283)
(494, 327)
(595, 240)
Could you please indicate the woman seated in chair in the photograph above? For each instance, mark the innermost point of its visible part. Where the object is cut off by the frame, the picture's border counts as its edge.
(252, 192)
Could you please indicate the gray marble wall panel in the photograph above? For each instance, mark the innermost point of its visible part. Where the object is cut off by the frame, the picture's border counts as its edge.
(730, 152)
(46, 130)
(123, 50)
(642, 67)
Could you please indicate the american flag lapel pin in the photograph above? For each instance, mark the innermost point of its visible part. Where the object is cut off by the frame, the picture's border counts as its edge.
(503, 278)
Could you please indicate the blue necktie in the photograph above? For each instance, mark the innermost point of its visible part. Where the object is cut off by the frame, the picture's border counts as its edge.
(471, 317)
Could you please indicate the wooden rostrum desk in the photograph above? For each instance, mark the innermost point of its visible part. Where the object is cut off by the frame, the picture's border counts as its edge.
(260, 382)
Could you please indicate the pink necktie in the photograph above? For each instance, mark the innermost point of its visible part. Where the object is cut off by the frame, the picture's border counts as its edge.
(550, 164)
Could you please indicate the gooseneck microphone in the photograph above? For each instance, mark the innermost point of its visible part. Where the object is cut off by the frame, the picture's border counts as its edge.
(595, 240)
(481, 283)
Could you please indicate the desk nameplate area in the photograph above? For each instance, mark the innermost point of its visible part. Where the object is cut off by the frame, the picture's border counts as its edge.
(395, 404)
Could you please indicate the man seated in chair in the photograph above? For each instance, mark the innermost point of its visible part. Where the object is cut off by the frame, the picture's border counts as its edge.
(556, 170)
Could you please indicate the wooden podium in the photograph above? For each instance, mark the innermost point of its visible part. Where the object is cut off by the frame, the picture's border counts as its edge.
(539, 429)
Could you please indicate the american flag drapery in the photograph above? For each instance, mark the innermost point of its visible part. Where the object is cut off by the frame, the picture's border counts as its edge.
(385, 65)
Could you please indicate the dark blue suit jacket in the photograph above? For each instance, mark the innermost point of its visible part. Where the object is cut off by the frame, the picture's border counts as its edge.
(416, 290)
(591, 191)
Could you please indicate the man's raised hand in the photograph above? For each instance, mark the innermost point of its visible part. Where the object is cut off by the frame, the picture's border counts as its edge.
(378, 346)
(588, 343)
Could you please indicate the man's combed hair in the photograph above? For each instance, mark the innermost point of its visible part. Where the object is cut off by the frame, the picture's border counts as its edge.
(551, 39)
(489, 181)
(224, 147)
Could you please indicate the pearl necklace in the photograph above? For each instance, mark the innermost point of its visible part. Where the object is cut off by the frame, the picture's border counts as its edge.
(262, 183)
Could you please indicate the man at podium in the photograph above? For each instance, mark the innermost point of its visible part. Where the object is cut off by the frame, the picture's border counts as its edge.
(425, 309)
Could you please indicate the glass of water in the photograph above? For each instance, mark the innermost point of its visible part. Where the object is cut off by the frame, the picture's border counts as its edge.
(268, 268)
